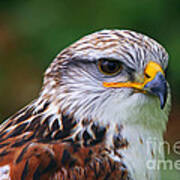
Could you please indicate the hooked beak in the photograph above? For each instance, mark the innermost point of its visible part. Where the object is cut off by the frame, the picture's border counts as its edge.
(158, 87)
(154, 83)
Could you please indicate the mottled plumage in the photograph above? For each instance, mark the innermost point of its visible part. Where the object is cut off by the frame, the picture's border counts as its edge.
(83, 127)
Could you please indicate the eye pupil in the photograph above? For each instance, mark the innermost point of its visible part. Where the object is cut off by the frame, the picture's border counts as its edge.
(109, 67)
(112, 66)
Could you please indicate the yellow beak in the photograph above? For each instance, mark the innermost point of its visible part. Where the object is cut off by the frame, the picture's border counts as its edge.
(154, 82)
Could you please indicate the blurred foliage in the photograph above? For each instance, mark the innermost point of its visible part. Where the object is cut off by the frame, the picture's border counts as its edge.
(32, 32)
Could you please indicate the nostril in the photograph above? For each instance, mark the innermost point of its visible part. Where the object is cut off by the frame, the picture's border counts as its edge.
(147, 76)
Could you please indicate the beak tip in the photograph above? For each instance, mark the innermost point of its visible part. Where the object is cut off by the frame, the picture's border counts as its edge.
(162, 98)
(162, 105)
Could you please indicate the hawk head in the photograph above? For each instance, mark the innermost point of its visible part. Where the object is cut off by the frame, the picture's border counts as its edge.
(111, 76)
(108, 89)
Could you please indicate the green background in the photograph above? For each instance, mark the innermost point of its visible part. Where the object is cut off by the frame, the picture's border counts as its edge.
(32, 32)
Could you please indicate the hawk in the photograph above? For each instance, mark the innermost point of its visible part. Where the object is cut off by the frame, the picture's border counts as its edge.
(104, 102)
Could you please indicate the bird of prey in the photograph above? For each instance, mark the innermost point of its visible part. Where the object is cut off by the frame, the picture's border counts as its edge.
(100, 114)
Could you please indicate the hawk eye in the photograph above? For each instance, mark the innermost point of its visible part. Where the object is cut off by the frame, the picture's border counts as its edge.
(109, 67)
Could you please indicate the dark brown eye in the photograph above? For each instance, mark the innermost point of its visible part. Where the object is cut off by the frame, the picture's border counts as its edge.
(109, 67)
